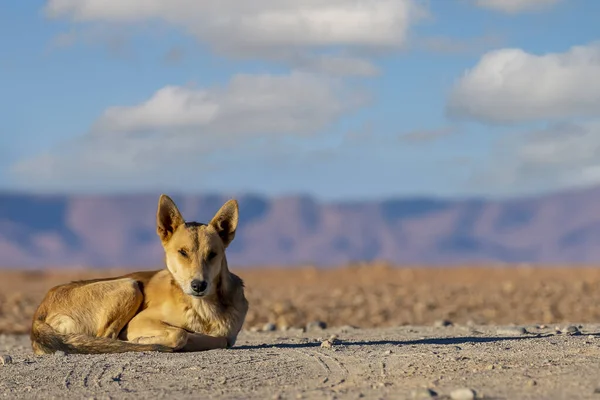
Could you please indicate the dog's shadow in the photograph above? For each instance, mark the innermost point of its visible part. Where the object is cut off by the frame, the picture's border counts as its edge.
(432, 341)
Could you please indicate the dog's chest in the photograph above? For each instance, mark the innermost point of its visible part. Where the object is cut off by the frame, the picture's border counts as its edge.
(204, 318)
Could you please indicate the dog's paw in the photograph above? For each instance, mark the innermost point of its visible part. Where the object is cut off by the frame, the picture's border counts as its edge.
(144, 340)
(180, 341)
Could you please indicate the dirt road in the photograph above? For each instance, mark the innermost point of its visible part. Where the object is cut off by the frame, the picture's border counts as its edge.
(394, 363)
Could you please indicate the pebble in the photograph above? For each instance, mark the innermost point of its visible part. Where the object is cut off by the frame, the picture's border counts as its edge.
(6, 359)
(512, 331)
(462, 394)
(423, 394)
(531, 382)
(269, 327)
(573, 330)
(59, 353)
(326, 343)
(316, 325)
(346, 328)
(388, 352)
(442, 323)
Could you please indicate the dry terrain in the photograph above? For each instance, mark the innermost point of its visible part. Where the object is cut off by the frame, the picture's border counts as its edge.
(402, 333)
(369, 296)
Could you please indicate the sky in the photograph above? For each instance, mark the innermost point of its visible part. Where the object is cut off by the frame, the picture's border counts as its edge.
(337, 99)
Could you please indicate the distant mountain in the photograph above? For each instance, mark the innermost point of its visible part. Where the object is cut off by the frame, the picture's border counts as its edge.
(40, 230)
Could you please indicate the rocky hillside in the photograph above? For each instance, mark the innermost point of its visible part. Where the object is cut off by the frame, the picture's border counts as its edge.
(38, 230)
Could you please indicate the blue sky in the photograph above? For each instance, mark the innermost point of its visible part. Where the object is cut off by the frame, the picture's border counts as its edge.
(338, 99)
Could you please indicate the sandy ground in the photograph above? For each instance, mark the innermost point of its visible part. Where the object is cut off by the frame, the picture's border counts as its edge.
(383, 363)
(369, 296)
(398, 345)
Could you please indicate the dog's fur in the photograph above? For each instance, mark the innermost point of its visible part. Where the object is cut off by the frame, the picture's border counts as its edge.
(153, 310)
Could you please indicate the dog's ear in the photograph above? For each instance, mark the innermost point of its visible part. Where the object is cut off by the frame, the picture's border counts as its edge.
(168, 218)
(225, 221)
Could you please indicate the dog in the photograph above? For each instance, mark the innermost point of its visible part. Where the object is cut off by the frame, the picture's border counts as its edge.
(194, 304)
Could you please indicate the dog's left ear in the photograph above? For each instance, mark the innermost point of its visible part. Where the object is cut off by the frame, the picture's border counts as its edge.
(225, 221)
(168, 218)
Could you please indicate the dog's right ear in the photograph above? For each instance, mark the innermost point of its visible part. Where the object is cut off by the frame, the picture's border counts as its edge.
(168, 218)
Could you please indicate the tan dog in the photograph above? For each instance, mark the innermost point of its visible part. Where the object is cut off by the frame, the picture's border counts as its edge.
(195, 304)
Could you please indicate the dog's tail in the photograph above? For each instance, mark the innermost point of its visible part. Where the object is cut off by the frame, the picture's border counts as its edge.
(46, 340)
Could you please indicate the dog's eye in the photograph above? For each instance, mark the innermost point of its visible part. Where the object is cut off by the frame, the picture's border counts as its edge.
(183, 252)
(211, 255)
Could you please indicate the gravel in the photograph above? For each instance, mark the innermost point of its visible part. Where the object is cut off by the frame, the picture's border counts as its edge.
(452, 362)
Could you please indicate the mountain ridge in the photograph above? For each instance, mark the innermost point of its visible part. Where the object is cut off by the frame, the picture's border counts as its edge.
(39, 230)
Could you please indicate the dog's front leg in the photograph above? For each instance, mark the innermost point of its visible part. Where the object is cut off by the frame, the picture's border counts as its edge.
(148, 330)
(200, 342)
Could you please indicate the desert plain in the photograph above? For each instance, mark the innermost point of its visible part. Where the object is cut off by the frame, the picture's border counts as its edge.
(361, 331)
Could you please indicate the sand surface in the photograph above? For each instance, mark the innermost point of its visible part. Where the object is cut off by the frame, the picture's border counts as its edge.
(369, 296)
(394, 363)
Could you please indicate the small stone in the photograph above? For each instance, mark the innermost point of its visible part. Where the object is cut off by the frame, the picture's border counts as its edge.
(542, 326)
(334, 338)
(255, 329)
(60, 353)
(269, 327)
(573, 330)
(440, 323)
(463, 394)
(316, 325)
(531, 382)
(388, 352)
(490, 367)
(327, 343)
(346, 328)
(6, 359)
(510, 331)
(423, 394)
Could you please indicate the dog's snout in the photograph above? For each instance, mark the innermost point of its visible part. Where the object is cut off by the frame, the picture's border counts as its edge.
(199, 286)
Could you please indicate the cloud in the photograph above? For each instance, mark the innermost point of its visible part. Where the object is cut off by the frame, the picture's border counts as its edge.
(182, 126)
(511, 85)
(562, 155)
(515, 6)
(262, 26)
(335, 65)
(298, 103)
(449, 45)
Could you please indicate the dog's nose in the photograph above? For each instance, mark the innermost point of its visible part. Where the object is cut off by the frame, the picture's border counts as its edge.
(199, 286)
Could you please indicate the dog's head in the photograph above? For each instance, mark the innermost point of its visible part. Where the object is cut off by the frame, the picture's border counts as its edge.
(195, 252)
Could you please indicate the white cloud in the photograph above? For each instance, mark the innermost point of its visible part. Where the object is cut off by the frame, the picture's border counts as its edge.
(179, 127)
(559, 156)
(511, 85)
(516, 6)
(335, 65)
(298, 103)
(254, 27)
